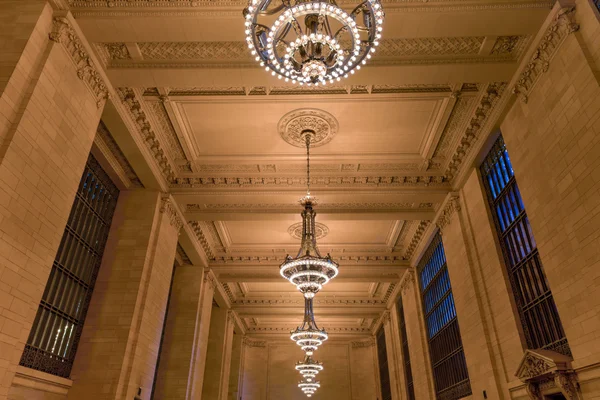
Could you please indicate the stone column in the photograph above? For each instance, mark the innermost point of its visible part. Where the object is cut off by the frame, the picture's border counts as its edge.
(469, 299)
(393, 362)
(417, 337)
(51, 99)
(183, 355)
(218, 357)
(234, 371)
(398, 379)
(120, 340)
(363, 370)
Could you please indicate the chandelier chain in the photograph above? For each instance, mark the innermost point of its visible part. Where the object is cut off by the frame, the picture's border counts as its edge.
(308, 165)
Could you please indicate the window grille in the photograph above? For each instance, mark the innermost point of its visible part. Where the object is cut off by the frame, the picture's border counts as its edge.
(384, 371)
(538, 314)
(448, 362)
(410, 390)
(57, 327)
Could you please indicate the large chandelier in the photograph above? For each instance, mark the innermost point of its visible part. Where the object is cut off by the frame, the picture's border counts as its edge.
(309, 271)
(308, 335)
(309, 388)
(309, 368)
(312, 41)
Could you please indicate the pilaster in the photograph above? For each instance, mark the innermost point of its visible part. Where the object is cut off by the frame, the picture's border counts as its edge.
(417, 337)
(120, 340)
(186, 333)
(48, 119)
(218, 357)
(393, 361)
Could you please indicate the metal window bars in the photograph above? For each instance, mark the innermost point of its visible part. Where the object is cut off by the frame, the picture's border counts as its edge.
(450, 373)
(57, 327)
(410, 389)
(539, 317)
(384, 371)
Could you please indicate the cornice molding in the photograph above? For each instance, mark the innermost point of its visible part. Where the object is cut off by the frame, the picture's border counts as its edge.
(209, 278)
(539, 63)
(144, 129)
(168, 207)
(349, 302)
(487, 104)
(449, 207)
(64, 34)
(248, 342)
(361, 344)
(418, 235)
(201, 237)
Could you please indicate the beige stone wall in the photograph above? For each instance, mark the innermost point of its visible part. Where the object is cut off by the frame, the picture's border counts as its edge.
(48, 118)
(268, 372)
(119, 345)
(554, 144)
(234, 370)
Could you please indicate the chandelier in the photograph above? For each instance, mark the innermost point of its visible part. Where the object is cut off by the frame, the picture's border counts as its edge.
(309, 271)
(312, 41)
(309, 388)
(309, 368)
(308, 335)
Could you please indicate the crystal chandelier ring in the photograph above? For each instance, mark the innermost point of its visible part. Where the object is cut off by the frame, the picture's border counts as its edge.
(312, 42)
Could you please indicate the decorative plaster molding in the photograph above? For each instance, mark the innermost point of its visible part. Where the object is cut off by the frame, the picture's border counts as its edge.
(137, 114)
(183, 255)
(539, 63)
(269, 207)
(63, 33)
(112, 152)
(167, 207)
(277, 259)
(319, 181)
(462, 110)
(389, 292)
(292, 124)
(295, 230)
(385, 317)
(228, 291)
(230, 316)
(408, 279)
(253, 343)
(210, 280)
(354, 302)
(202, 239)
(421, 228)
(488, 101)
(451, 206)
(279, 329)
(361, 344)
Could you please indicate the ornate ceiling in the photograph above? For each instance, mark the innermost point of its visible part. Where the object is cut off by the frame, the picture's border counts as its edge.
(196, 118)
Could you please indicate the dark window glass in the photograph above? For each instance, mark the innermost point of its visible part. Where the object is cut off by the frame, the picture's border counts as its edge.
(59, 321)
(384, 371)
(448, 362)
(410, 389)
(538, 314)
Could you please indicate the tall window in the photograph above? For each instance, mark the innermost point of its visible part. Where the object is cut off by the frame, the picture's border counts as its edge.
(384, 371)
(450, 373)
(59, 321)
(410, 389)
(538, 314)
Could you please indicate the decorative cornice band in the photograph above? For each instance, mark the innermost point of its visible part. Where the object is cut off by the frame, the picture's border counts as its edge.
(201, 237)
(451, 206)
(423, 225)
(554, 36)
(210, 279)
(253, 343)
(63, 33)
(171, 211)
(137, 114)
(360, 344)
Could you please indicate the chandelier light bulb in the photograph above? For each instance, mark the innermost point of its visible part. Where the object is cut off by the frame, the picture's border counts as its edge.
(312, 40)
(308, 335)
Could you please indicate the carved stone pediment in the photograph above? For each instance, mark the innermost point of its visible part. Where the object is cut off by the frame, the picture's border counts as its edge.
(540, 363)
(548, 372)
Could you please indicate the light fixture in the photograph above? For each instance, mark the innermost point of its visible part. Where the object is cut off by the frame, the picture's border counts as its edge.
(309, 271)
(309, 388)
(312, 41)
(309, 368)
(308, 335)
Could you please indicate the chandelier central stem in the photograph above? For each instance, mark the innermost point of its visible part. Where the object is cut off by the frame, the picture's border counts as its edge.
(308, 134)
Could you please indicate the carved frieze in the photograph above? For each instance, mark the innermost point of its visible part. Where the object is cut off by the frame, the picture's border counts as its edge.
(539, 63)
(361, 344)
(167, 207)
(105, 142)
(451, 206)
(248, 342)
(416, 239)
(200, 236)
(408, 279)
(63, 33)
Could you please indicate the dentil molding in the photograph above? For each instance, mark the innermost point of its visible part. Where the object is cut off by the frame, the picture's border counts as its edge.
(451, 206)
(407, 280)
(170, 209)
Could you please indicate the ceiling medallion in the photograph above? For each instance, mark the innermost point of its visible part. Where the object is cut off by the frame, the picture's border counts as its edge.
(312, 42)
(323, 126)
(295, 230)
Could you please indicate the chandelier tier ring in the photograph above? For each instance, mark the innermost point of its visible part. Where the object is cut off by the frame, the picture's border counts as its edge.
(312, 42)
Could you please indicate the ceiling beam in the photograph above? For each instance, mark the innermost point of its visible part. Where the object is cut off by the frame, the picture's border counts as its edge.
(324, 215)
(276, 278)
